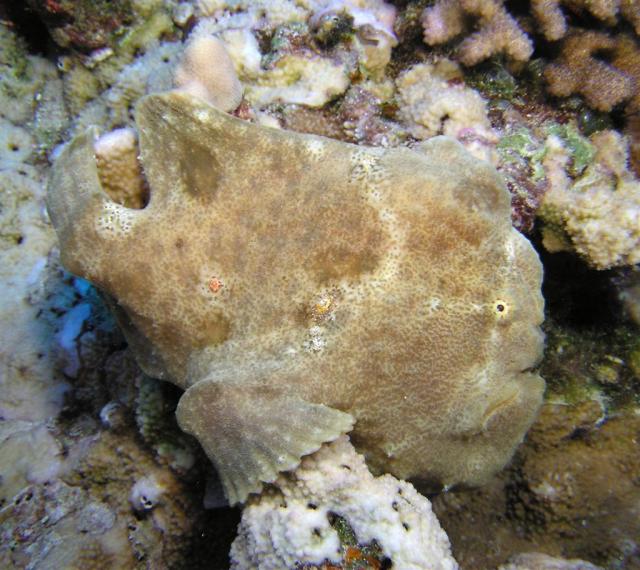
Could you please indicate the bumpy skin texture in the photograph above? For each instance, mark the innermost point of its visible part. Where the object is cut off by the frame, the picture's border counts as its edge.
(294, 285)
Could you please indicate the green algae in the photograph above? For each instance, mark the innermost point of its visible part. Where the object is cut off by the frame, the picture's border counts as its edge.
(494, 81)
(581, 151)
(522, 144)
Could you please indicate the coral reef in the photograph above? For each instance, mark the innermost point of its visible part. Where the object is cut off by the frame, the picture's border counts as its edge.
(16, 145)
(113, 107)
(301, 80)
(571, 492)
(499, 32)
(83, 518)
(520, 162)
(626, 58)
(30, 93)
(84, 25)
(95, 470)
(360, 116)
(101, 84)
(290, 525)
(154, 407)
(599, 65)
(314, 51)
(597, 212)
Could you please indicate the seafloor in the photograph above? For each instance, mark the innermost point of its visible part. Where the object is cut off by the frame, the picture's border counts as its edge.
(94, 471)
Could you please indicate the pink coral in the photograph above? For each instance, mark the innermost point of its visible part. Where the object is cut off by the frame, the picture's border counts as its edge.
(579, 71)
(497, 31)
(554, 24)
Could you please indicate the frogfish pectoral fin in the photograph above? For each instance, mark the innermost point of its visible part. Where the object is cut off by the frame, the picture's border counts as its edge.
(252, 433)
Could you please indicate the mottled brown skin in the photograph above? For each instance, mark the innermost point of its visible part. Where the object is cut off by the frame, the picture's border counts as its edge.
(294, 285)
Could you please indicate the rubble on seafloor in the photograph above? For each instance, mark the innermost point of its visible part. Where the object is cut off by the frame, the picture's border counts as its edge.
(94, 470)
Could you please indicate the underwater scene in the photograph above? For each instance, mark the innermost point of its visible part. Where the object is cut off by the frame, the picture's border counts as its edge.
(320, 284)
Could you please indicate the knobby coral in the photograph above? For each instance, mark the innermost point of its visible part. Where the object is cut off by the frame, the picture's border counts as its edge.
(596, 213)
(433, 100)
(291, 524)
(207, 71)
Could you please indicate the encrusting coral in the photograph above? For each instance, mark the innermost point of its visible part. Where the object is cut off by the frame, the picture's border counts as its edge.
(433, 99)
(290, 524)
(316, 48)
(16, 144)
(596, 213)
(497, 31)
(260, 352)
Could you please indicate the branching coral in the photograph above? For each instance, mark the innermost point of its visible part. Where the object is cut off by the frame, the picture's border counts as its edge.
(626, 58)
(446, 19)
(497, 33)
(578, 69)
(554, 24)
(604, 83)
(291, 525)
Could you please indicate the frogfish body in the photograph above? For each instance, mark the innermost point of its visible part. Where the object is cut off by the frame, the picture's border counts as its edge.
(298, 288)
